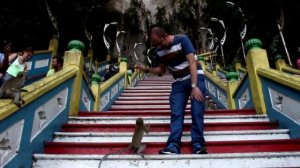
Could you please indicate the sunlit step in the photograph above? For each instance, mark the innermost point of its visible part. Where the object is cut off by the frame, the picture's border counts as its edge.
(166, 119)
(163, 136)
(232, 160)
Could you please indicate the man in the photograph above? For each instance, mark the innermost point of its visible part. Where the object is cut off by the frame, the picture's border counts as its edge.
(177, 53)
(57, 65)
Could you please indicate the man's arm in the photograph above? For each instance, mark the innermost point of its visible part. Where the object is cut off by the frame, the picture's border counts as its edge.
(196, 93)
(156, 70)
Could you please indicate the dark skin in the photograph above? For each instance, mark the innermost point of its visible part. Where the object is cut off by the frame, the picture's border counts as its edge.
(136, 144)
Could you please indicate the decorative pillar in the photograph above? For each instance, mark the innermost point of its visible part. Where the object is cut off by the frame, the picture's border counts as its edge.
(279, 62)
(73, 57)
(123, 68)
(96, 90)
(256, 57)
(202, 61)
(53, 45)
(232, 78)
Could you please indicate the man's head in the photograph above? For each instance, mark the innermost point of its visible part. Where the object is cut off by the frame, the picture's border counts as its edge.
(159, 37)
(57, 63)
(27, 53)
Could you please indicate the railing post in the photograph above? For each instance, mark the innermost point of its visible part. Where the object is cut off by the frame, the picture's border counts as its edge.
(123, 68)
(279, 62)
(232, 78)
(256, 57)
(96, 90)
(201, 59)
(53, 45)
(73, 57)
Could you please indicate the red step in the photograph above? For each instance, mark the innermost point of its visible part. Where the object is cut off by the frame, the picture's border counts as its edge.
(166, 127)
(162, 113)
(153, 148)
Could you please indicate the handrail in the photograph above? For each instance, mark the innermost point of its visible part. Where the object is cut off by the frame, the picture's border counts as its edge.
(37, 89)
(291, 70)
(105, 85)
(87, 82)
(216, 80)
(280, 77)
(239, 84)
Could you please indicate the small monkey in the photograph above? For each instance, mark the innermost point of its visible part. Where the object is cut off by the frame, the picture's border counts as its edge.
(12, 88)
(136, 143)
(209, 104)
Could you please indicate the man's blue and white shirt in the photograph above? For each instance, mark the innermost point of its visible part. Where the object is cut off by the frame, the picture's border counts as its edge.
(175, 57)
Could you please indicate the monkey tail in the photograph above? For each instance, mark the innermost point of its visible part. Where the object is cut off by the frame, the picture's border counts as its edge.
(113, 153)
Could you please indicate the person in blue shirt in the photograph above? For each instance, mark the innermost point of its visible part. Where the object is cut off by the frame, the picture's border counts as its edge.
(177, 54)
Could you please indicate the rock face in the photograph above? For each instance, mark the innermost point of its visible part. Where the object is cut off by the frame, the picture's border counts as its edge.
(178, 16)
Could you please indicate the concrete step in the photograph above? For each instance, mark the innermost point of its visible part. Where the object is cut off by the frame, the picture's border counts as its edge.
(153, 84)
(165, 119)
(284, 159)
(235, 160)
(143, 102)
(164, 127)
(124, 94)
(163, 136)
(143, 98)
(144, 113)
(247, 146)
(147, 91)
(149, 87)
(143, 107)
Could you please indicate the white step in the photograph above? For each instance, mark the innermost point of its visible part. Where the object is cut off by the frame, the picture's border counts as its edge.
(163, 136)
(149, 87)
(232, 160)
(144, 98)
(166, 119)
(149, 94)
(147, 90)
(154, 84)
(137, 107)
(145, 102)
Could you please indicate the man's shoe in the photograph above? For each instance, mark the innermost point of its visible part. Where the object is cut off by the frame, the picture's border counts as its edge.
(198, 149)
(171, 149)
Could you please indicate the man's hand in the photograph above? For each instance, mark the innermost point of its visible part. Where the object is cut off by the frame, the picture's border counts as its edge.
(6, 49)
(1, 75)
(140, 67)
(197, 94)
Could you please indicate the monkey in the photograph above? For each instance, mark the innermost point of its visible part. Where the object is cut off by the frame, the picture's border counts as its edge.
(209, 104)
(12, 88)
(136, 143)
(212, 105)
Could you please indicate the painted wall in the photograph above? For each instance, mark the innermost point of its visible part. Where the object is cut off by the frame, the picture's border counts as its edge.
(283, 104)
(243, 97)
(38, 66)
(87, 99)
(217, 94)
(24, 132)
(109, 95)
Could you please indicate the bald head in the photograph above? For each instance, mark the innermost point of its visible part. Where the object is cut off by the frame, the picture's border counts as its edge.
(158, 31)
(160, 38)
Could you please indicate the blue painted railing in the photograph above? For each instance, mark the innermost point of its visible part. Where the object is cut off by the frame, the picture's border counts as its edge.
(23, 131)
(38, 66)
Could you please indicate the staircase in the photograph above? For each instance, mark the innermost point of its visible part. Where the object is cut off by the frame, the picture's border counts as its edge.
(235, 138)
